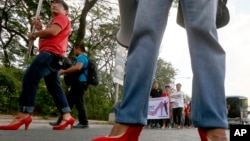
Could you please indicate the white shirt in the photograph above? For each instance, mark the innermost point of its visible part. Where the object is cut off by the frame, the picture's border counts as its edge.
(178, 99)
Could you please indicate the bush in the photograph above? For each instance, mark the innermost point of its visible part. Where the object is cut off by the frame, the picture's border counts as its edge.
(10, 85)
(98, 100)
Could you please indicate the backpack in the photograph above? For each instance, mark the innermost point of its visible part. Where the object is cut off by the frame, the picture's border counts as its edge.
(92, 77)
(222, 17)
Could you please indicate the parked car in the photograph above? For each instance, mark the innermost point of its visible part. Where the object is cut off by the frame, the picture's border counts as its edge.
(237, 110)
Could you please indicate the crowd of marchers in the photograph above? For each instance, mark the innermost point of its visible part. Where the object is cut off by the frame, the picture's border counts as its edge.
(179, 108)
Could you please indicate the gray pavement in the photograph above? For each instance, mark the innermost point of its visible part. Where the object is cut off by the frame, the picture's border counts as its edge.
(41, 131)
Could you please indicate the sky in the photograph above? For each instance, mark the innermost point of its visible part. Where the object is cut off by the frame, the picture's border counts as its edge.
(235, 39)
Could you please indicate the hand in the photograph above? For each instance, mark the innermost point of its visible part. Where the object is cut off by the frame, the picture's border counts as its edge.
(31, 36)
(61, 72)
(37, 23)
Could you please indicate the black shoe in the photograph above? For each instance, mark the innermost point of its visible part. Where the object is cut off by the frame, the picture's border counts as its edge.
(79, 125)
(54, 123)
(57, 122)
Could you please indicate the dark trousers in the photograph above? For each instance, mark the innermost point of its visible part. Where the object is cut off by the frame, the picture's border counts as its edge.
(177, 115)
(187, 122)
(75, 97)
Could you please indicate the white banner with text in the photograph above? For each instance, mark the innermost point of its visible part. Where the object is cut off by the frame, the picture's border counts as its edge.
(158, 108)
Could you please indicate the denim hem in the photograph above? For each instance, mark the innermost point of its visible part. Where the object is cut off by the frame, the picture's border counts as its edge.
(26, 109)
(66, 110)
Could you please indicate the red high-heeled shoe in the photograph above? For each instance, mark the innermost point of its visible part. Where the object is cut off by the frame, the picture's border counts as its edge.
(26, 121)
(218, 136)
(132, 134)
(203, 135)
(65, 124)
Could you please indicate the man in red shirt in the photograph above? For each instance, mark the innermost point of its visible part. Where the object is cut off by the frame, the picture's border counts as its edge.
(166, 122)
(52, 44)
(187, 110)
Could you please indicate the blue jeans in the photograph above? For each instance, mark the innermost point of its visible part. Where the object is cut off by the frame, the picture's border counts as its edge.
(45, 66)
(207, 61)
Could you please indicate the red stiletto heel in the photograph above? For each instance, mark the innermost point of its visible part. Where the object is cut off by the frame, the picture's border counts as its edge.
(26, 121)
(65, 124)
(132, 134)
(203, 135)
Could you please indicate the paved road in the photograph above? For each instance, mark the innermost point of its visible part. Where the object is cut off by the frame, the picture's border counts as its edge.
(41, 131)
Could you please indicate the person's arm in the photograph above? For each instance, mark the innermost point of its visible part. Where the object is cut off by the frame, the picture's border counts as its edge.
(72, 69)
(53, 30)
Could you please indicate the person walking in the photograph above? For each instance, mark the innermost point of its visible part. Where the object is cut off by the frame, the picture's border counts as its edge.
(187, 110)
(177, 99)
(52, 44)
(155, 92)
(76, 93)
(207, 61)
(166, 122)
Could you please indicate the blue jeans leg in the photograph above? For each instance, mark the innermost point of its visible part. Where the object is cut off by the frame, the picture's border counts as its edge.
(53, 85)
(149, 26)
(208, 64)
(42, 66)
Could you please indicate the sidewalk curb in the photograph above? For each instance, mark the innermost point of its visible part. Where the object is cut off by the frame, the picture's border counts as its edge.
(38, 119)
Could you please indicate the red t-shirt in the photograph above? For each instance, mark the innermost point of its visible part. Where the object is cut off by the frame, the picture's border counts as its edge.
(57, 44)
(164, 94)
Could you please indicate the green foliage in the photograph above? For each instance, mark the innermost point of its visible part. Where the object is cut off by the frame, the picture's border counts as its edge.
(98, 106)
(165, 73)
(9, 88)
(99, 99)
(44, 103)
(16, 17)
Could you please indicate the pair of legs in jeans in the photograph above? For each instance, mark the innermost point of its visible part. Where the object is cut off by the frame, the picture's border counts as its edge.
(207, 58)
(207, 61)
(46, 66)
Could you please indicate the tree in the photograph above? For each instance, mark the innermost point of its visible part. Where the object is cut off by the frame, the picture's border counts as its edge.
(165, 73)
(16, 17)
(94, 23)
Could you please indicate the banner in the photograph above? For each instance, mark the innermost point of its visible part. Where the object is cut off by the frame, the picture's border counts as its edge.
(176, 97)
(158, 108)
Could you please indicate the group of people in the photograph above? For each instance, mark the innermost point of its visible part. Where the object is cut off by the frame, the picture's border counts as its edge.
(53, 42)
(179, 108)
(149, 22)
